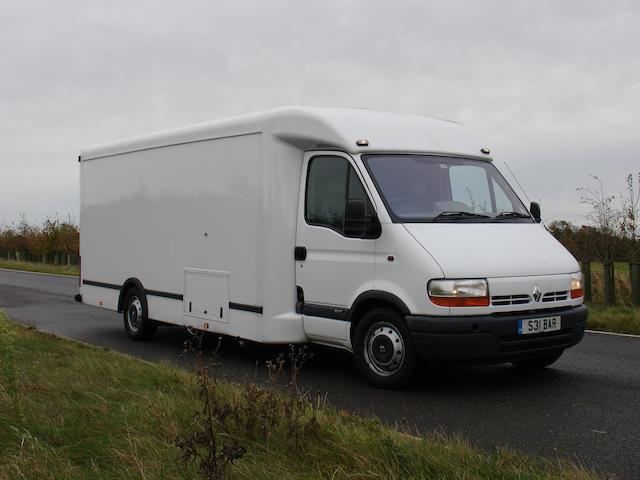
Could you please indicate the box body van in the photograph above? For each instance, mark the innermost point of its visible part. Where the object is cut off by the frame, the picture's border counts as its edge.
(389, 235)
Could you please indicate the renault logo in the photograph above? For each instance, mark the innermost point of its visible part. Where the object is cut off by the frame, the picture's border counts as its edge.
(537, 293)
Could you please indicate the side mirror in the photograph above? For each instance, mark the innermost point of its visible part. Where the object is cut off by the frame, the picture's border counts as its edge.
(535, 211)
(357, 223)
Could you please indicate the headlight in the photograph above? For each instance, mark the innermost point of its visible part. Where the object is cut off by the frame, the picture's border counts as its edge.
(576, 285)
(459, 293)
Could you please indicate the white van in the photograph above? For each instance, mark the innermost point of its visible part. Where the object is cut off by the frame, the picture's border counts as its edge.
(392, 236)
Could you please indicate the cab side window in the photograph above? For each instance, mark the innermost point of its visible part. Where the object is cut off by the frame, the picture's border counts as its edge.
(331, 181)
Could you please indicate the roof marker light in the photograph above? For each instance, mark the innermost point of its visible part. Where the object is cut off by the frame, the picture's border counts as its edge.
(363, 142)
(485, 150)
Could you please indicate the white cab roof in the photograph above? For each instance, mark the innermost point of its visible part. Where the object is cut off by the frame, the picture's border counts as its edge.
(311, 128)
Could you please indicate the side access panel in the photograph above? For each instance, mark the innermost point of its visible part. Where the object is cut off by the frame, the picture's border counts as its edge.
(206, 299)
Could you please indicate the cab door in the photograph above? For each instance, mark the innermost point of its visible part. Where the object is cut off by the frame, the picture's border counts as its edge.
(335, 256)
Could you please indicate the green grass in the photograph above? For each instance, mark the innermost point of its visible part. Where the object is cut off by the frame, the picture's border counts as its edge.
(41, 267)
(621, 318)
(618, 319)
(72, 411)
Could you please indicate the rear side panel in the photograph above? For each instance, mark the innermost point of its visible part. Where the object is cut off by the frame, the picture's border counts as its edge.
(154, 213)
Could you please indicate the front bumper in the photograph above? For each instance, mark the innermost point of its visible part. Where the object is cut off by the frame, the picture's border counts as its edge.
(493, 338)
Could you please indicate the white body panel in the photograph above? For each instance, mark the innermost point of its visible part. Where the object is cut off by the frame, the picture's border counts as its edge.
(154, 213)
(207, 219)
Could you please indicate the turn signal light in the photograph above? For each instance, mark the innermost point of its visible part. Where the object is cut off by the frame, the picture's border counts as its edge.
(460, 301)
(576, 285)
(577, 293)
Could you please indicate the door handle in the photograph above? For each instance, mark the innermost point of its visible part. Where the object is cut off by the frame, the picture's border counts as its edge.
(300, 253)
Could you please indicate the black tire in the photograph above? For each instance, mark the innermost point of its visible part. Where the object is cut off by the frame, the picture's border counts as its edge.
(136, 320)
(383, 349)
(537, 363)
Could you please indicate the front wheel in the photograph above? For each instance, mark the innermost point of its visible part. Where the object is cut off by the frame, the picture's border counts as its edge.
(383, 349)
(538, 362)
(136, 321)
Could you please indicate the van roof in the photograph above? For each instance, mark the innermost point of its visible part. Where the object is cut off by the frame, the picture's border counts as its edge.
(314, 128)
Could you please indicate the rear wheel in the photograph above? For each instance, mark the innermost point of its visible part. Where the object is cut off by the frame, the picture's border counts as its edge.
(538, 362)
(136, 320)
(383, 349)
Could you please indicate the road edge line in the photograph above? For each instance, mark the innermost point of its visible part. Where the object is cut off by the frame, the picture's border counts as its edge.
(631, 335)
(38, 273)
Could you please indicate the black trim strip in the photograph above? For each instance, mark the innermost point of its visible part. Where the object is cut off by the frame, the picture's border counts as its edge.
(101, 284)
(158, 293)
(154, 293)
(326, 311)
(174, 296)
(245, 308)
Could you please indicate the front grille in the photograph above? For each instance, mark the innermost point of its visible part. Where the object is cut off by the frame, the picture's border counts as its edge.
(501, 300)
(523, 299)
(554, 296)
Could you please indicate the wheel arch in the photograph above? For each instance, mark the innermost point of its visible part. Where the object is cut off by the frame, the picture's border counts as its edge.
(371, 299)
(126, 286)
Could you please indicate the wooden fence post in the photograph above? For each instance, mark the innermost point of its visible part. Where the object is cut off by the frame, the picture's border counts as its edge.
(634, 271)
(586, 280)
(609, 284)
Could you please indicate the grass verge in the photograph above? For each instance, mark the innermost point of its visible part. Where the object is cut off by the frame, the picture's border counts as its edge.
(69, 410)
(618, 319)
(41, 267)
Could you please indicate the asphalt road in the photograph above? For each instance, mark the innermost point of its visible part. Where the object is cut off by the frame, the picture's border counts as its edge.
(586, 407)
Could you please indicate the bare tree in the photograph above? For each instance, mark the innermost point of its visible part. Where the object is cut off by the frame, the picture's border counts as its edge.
(630, 217)
(630, 231)
(605, 219)
(604, 216)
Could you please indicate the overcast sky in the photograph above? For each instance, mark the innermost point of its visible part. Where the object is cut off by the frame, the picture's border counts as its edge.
(553, 86)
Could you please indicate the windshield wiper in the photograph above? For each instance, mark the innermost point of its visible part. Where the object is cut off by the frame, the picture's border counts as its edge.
(513, 215)
(458, 215)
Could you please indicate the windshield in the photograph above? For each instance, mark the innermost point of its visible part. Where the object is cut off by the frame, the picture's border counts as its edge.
(427, 188)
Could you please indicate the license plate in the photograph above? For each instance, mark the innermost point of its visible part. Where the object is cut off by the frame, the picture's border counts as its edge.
(538, 325)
